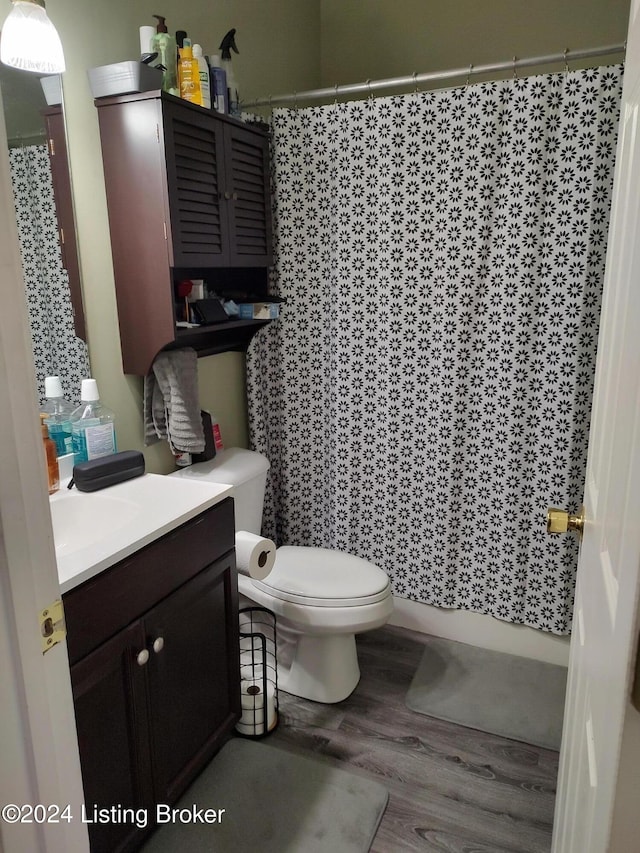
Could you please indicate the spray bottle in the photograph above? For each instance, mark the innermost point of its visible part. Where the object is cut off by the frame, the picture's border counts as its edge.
(226, 46)
(165, 45)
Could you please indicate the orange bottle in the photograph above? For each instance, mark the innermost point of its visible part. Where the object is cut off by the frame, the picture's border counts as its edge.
(53, 473)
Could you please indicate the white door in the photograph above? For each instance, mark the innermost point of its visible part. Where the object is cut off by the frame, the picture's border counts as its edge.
(598, 802)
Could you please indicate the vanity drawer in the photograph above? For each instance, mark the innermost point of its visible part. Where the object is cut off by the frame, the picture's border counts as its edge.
(104, 605)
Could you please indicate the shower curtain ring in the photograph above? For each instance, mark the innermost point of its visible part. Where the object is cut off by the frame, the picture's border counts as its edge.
(368, 82)
(335, 99)
(295, 101)
(415, 82)
(515, 73)
(566, 64)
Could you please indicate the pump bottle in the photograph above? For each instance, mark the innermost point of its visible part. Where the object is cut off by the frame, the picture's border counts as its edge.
(165, 45)
(53, 472)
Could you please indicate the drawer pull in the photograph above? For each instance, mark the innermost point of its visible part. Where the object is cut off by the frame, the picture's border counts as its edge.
(142, 657)
(158, 644)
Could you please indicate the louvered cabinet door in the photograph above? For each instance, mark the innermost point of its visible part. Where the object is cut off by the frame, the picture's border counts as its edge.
(248, 197)
(199, 226)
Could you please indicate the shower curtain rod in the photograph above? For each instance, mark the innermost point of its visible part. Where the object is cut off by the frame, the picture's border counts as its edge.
(369, 86)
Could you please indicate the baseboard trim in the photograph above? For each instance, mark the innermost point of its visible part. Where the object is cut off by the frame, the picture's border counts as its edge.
(479, 630)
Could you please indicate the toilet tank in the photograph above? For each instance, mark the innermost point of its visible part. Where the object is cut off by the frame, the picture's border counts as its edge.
(246, 472)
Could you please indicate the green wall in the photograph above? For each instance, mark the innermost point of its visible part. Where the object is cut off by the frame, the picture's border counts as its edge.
(285, 46)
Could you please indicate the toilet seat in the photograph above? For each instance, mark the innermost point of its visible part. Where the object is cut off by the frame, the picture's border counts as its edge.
(324, 578)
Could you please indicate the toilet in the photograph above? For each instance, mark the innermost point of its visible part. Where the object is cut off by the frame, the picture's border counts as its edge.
(321, 598)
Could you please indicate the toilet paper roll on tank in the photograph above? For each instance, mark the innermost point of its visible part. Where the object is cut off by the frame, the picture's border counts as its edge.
(255, 555)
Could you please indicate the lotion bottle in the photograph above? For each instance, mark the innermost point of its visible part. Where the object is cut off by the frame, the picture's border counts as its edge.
(219, 95)
(203, 73)
(189, 75)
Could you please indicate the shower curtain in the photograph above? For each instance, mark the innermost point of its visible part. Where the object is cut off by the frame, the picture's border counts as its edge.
(426, 393)
(56, 349)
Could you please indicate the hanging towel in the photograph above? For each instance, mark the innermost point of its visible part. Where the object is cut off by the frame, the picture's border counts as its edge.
(171, 406)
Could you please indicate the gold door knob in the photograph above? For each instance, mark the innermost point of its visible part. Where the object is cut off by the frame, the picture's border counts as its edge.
(559, 521)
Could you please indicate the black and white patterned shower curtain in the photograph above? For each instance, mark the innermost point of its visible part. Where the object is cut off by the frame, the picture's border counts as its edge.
(56, 349)
(426, 394)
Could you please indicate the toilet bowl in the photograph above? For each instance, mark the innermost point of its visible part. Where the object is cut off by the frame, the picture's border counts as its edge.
(321, 597)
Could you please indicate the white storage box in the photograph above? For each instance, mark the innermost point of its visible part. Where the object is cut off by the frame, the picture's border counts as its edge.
(259, 310)
(123, 78)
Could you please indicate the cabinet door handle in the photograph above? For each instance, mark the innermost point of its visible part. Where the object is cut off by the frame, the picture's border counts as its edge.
(234, 196)
(227, 195)
(142, 657)
(158, 644)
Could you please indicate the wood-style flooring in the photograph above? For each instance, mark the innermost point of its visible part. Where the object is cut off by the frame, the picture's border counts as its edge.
(451, 789)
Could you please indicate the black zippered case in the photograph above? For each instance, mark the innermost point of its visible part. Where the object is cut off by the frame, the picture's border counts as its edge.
(107, 470)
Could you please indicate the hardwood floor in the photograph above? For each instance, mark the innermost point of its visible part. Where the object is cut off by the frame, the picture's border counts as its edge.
(451, 789)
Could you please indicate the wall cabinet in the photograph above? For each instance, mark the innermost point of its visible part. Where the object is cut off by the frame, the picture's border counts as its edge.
(153, 644)
(188, 195)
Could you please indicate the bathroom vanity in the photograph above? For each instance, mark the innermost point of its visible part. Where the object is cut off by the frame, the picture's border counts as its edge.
(153, 649)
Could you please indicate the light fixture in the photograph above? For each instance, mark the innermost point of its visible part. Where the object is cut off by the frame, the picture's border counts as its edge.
(29, 40)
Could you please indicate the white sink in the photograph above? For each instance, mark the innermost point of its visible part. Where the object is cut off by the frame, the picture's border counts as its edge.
(80, 523)
(94, 530)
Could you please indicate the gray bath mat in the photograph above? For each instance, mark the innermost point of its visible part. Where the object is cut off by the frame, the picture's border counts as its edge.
(275, 802)
(502, 694)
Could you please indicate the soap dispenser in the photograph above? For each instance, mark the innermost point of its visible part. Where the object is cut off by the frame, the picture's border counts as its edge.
(53, 472)
(164, 44)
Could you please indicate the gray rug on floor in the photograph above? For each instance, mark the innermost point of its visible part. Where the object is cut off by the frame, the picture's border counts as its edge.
(502, 694)
(275, 802)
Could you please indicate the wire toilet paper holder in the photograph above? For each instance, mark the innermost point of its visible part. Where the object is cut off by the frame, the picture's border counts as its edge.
(258, 672)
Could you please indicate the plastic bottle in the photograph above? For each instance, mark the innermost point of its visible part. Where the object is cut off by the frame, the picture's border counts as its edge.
(189, 75)
(219, 94)
(92, 427)
(203, 71)
(53, 472)
(228, 44)
(57, 415)
(165, 45)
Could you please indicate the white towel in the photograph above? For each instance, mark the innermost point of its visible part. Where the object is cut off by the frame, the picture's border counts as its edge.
(171, 407)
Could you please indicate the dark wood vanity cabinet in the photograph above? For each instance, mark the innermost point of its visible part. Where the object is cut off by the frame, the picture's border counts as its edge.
(153, 644)
(187, 190)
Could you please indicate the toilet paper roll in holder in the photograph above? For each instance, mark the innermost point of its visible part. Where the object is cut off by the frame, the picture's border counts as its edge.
(258, 672)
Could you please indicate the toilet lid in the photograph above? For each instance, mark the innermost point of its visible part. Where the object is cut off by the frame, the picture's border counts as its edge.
(324, 578)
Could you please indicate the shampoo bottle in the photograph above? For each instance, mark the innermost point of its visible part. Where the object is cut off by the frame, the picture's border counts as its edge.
(56, 414)
(53, 473)
(203, 72)
(218, 85)
(92, 426)
(189, 75)
(165, 45)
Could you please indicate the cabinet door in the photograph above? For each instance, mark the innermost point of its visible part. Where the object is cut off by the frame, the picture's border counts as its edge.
(109, 696)
(248, 196)
(194, 148)
(193, 675)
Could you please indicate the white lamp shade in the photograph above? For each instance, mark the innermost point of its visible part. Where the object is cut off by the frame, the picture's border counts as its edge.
(30, 41)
